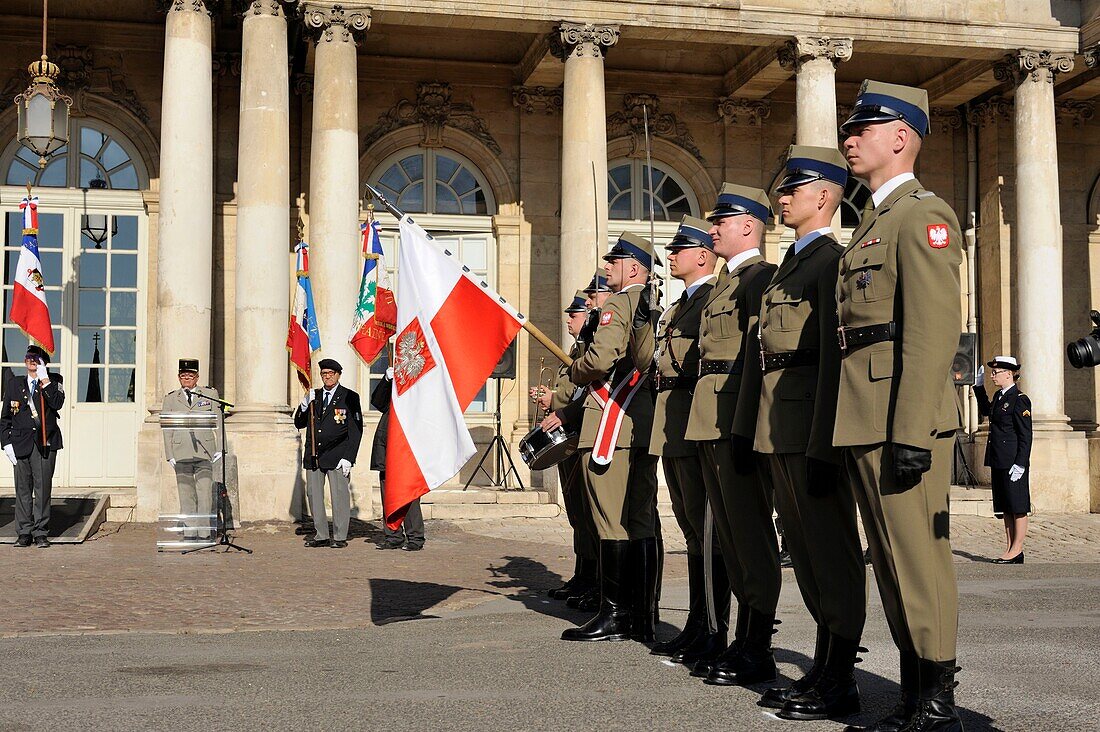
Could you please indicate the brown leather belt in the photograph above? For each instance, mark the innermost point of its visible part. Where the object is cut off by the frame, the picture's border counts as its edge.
(854, 337)
(668, 383)
(788, 359)
(706, 366)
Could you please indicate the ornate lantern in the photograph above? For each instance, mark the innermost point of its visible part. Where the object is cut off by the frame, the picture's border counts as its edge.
(94, 226)
(43, 111)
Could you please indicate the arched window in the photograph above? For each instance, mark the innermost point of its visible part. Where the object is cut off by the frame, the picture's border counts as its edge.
(425, 180)
(856, 194)
(628, 187)
(102, 153)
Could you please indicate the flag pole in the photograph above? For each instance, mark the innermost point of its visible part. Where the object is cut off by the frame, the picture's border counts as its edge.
(528, 326)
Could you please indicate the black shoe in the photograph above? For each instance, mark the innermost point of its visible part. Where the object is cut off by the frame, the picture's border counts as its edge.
(709, 646)
(644, 565)
(338, 544)
(903, 714)
(785, 561)
(412, 547)
(24, 540)
(389, 544)
(1018, 559)
(563, 592)
(703, 667)
(936, 710)
(834, 695)
(776, 697)
(41, 542)
(612, 623)
(696, 625)
(589, 601)
(314, 543)
(755, 663)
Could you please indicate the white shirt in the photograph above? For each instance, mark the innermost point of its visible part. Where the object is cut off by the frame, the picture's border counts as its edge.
(802, 241)
(1006, 389)
(636, 284)
(740, 259)
(697, 284)
(326, 395)
(889, 187)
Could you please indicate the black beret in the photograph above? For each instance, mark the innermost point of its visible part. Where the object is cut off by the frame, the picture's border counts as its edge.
(39, 352)
(330, 363)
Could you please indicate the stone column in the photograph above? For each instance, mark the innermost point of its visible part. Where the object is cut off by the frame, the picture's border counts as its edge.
(814, 62)
(334, 254)
(185, 236)
(263, 216)
(584, 144)
(1059, 466)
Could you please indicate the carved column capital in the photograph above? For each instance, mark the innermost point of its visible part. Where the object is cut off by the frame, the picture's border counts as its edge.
(753, 112)
(1092, 56)
(226, 63)
(1031, 65)
(330, 22)
(1075, 112)
(946, 119)
(989, 112)
(801, 49)
(210, 7)
(262, 7)
(583, 39)
(533, 99)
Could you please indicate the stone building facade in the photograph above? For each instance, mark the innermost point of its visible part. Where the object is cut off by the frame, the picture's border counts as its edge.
(211, 131)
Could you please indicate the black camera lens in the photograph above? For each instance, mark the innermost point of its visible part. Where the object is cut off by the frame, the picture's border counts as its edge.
(1084, 352)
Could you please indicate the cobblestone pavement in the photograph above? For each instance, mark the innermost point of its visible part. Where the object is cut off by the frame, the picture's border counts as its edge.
(117, 582)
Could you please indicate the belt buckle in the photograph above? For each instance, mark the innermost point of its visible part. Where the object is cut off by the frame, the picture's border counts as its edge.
(763, 360)
(842, 337)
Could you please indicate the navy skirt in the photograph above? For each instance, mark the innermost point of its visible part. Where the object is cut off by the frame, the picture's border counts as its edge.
(1009, 497)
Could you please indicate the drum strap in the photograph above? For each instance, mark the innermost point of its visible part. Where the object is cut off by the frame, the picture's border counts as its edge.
(614, 404)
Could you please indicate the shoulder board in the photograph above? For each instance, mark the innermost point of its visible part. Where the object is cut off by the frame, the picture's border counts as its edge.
(923, 194)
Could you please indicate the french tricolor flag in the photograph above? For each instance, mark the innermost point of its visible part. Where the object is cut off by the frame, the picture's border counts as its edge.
(28, 303)
(303, 336)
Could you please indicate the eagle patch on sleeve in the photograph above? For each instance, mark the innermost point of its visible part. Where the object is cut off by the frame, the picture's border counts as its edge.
(938, 237)
(605, 318)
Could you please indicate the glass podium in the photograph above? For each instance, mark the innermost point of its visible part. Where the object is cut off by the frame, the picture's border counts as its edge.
(188, 508)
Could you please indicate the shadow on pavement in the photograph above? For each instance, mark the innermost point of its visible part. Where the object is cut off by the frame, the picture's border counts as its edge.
(533, 578)
(971, 557)
(357, 529)
(396, 600)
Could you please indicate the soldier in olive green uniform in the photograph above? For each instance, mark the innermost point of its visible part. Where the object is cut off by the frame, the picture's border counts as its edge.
(899, 307)
(557, 402)
(620, 474)
(723, 420)
(800, 359)
(691, 259)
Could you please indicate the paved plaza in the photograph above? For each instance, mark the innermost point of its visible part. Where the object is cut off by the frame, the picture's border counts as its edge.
(460, 636)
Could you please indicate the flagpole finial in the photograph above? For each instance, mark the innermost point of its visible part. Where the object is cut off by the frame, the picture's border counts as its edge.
(28, 189)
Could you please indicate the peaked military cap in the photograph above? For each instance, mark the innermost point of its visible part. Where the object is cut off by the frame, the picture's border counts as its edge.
(806, 163)
(1004, 362)
(37, 352)
(881, 102)
(692, 232)
(598, 284)
(189, 365)
(577, 306)
(632, 246)
(735, 200)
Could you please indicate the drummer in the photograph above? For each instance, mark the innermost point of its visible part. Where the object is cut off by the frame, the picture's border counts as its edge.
(564, 403)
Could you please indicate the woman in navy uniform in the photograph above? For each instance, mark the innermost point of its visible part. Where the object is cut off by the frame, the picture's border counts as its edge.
(1008, 453)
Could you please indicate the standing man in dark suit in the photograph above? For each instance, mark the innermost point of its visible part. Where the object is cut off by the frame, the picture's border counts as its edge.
(31, 438)
(800, 359)
(333, 420)
(410, 535)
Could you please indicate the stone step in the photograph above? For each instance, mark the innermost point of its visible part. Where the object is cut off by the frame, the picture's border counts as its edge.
(490, 510)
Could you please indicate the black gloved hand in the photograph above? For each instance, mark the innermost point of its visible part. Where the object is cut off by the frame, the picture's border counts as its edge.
(821, 477)
(588, 330)
(910, 463)
(644, 312)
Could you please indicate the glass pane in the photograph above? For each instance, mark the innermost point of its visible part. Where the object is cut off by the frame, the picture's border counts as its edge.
(53, 302)
(120, 385)
(446, 202)
(480, 402)
(125, 235)
(19, 173)
(113, 156)
(395, 179)
(55, 173)
(89, 171)
(11, 259)
(464, 182)
(124, 179)
(91, 141)
(445, 167)
(620, 207)
(474, 203)
(474, 254)
(123, 348)
(414, 167)
(50, 232)
(93, 269)
(89, 385)
(123, 270)
(51, 267)
(92, 308)
(412, 199)
(89, 340)
(123, 308)
(620, 176)
(57, 356)
(15, 345)
(679, 209)
(28, 156)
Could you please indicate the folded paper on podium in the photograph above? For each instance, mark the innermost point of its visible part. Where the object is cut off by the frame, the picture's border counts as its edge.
(188, 514)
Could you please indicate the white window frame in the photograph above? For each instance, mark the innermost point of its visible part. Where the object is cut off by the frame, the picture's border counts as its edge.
(639, 186)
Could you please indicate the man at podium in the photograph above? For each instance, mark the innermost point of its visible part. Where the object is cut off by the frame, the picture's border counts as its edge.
(193, 453)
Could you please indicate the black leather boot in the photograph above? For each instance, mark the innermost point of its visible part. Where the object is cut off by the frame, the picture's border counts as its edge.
(703, 667)
(696, 623)
(562, 592)
(776, 697)
(710, 645)
(584, 582)
(612, 622)
(660, 575)
(834, 694)
(755, 664)
(644, 565)
(936, 710)
(589, 601)
(906, 710)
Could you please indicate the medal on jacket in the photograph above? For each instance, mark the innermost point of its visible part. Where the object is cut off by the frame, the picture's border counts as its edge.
(340, 415)
(863, 280)
(15, 405)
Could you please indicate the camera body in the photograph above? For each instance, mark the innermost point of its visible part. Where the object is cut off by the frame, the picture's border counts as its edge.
(1085, 352)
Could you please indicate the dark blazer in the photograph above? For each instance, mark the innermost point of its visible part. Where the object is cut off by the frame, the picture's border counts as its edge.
(1009, 428)
(337, 430)
(380, 399)
(22, 431)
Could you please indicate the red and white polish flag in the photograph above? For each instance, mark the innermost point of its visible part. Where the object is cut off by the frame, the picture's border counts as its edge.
(452, 329)
(28, 301)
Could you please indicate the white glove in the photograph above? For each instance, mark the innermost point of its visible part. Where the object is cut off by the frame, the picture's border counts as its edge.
(979, 378)
(10, 452)
(172, 462)
(216, 458)
(389, 374)
(307, 399)
(344, 467)
(1015, 473)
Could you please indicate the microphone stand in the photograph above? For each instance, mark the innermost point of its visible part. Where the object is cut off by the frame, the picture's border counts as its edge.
(222, 527)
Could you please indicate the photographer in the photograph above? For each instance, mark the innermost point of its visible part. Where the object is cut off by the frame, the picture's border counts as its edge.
(1008, 452)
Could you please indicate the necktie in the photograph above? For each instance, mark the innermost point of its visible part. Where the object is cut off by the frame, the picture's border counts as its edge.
(328, 398)
(189, 403)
